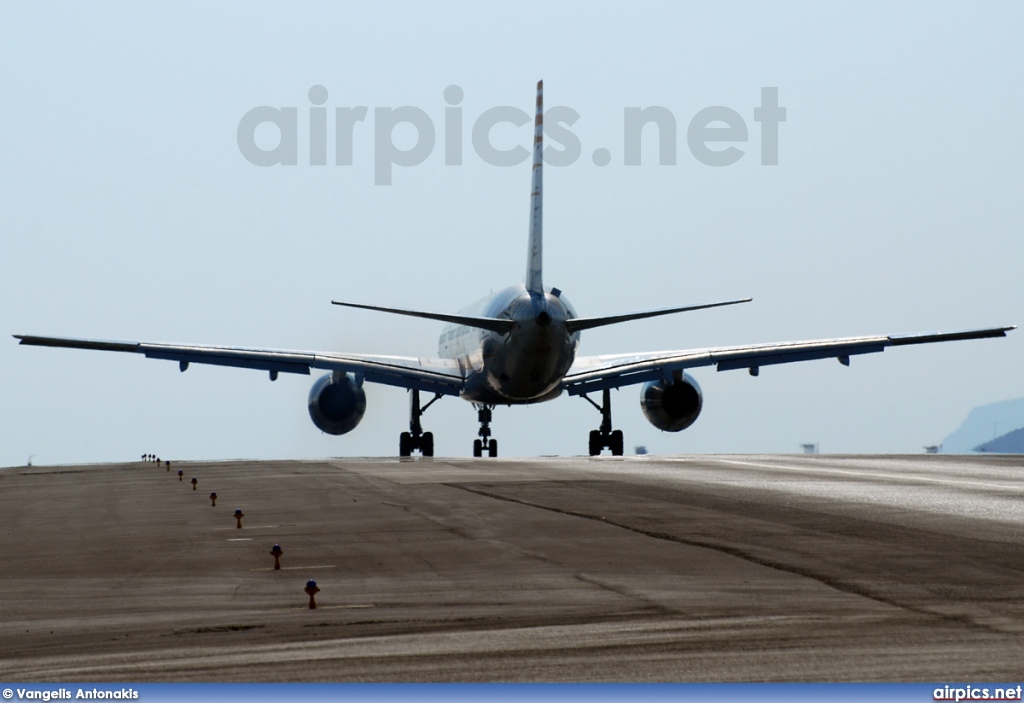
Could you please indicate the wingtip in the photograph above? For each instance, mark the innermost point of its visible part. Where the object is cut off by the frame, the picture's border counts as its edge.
(540, 84)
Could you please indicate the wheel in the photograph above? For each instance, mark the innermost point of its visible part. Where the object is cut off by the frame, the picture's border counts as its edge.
(616, 442)
(427, 444)
(595, 443)
(492, 448)
(478, 449)
(404, 444)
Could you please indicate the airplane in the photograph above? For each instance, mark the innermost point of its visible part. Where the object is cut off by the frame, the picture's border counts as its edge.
(517, 346)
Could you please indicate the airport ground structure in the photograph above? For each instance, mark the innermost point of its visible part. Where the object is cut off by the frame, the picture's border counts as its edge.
(647, 568)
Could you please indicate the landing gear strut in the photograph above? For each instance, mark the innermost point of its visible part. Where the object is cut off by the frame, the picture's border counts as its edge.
(416, 439)
(484, 444)
(605, 437)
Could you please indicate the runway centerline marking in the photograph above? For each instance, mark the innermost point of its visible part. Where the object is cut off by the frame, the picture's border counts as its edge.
(299, 568)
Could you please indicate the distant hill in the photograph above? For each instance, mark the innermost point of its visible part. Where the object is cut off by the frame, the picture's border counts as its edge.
(984, 424)
(1009, 443)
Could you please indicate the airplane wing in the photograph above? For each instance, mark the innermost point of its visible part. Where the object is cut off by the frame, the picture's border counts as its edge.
(431, 375)
(594, 373)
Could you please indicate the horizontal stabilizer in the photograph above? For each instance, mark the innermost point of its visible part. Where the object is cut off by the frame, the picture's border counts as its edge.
(586, 323)
(493, 324)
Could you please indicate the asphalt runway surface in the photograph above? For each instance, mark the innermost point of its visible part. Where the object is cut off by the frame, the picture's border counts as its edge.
(691, 568)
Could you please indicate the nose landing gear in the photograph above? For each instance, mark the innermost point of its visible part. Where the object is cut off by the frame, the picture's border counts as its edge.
(605, 437)
(416, 439)
(484, 444)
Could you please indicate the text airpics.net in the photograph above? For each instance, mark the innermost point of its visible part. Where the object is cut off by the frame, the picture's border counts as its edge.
(711, 125)
(977, 693)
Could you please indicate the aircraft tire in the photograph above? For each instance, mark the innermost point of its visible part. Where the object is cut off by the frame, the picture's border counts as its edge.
(404, 444)
(478, 450)
(492, 448)
(616, 442)
(427, 444)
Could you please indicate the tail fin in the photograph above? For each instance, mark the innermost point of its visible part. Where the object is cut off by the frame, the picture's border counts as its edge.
(535, 264)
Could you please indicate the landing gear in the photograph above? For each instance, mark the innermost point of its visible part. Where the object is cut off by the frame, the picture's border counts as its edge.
(605, 437)
(484, 444)
(491, 446)
(416, 439)
(407, 443)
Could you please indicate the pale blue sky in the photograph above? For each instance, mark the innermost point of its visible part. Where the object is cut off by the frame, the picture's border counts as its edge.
(129, 213)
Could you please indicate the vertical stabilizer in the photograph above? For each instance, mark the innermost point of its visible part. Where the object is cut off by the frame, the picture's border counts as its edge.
(534, 264)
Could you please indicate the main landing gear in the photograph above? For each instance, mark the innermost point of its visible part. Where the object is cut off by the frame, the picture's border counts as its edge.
(605, 437)
(416, 439)
(484, 444)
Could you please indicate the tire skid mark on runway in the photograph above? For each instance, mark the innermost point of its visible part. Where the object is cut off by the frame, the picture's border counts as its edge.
(192, 663)
(625, 593)
(837, 584)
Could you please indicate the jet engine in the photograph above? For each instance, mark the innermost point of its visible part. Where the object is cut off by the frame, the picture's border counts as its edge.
(674, 407)
(337, 402)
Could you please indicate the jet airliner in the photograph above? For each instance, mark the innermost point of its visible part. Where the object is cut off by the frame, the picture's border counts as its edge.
(517, 346)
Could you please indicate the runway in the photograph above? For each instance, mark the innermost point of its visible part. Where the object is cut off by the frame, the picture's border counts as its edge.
(689, 568)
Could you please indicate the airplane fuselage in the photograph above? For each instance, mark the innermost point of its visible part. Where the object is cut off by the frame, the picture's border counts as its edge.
(524, 366)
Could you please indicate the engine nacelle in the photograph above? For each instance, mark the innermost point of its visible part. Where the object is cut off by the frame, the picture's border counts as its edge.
(671, 408)
(337, 402)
